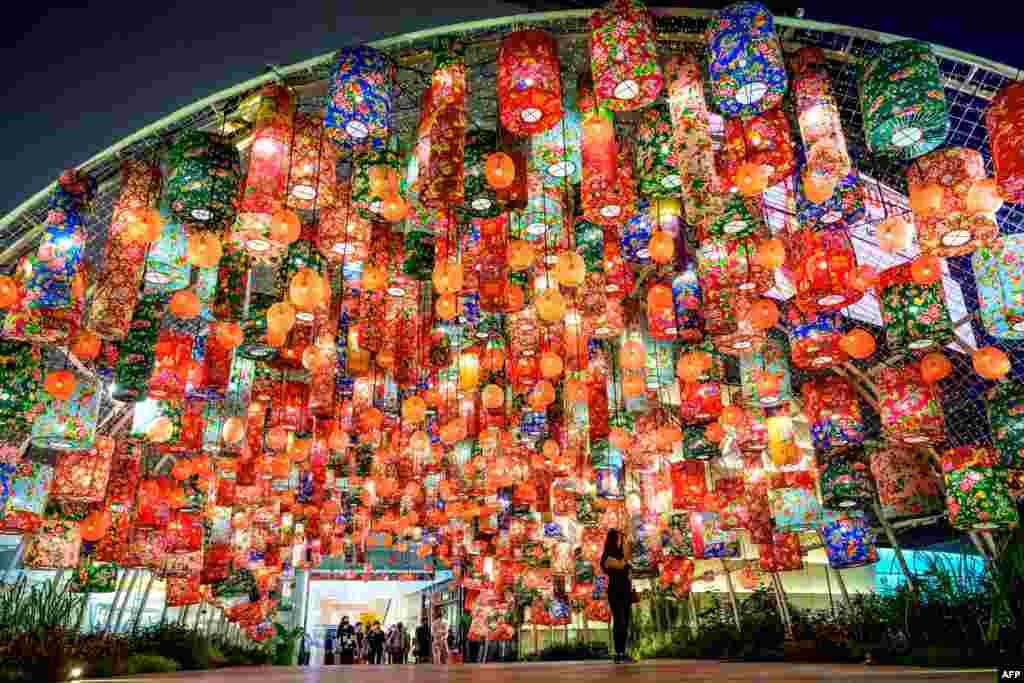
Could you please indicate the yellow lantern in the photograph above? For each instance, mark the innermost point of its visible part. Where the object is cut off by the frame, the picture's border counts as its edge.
(233, 430)
(447, 306)
(204, 249)
(633, 355)
(308, 290)
(570, 270)
(414, 409)
(469, 370)
(551, 305)
(520, 255)
(493, 397)
(550, 365)
(448, 277)
(280, 318)
(781, 440)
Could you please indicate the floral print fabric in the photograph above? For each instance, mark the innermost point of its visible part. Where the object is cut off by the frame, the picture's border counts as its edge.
(83, 475)
(909, 407)
(915, 316)
(529, 82)
(905, 482)
(203, 181)
(821, 266)
(782, 554)
(312, 175)
(1006, 416)
(833, 410)
(848, 540)
(55, 545)
(1005, 123)
(442, 126)
(977, 494)
(656, 163)
(794, 508)
(27, 491)
(999, 278)
(745, 63)
(69, 425)
(20, 379)
(359, 98)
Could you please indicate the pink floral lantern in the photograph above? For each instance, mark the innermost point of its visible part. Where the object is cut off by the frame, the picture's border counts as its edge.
(910, 408)
(117, 286)
(83, 475)
(677, 576)
(977, 494)
(820, 125)
(783, 554)
(950, 226)
(731, 265)
(624, 55)
(56, 544)
(529, 82)
(906, 483)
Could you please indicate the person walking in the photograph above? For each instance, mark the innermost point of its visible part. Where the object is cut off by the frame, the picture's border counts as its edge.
(346, 638)
(376, 640)
(439, 633)
(361, 644)
(618, 551)
(422, 641)
(329, 648)
(404, 640)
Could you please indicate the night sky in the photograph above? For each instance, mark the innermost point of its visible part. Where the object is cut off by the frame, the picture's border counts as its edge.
(76, 80)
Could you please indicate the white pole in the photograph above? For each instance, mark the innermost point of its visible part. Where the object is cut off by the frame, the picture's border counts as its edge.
(142, 604)
(732, 595)
(891, 535)
(127, 584)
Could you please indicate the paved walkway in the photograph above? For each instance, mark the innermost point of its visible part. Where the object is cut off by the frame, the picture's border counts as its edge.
(662, 671)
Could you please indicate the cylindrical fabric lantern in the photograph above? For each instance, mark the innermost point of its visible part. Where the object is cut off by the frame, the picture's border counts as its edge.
(367, 198)
(624, 55)
(117, 286)
(694, 148)
(763, 140)
(513, 197)
(950, 229)
(909, 407)
(748, 75)
(844, 480)
(719, 311)
(21, 377)
(686, 302)
(844, 208)
(814, 340)
(977, 495)
(783, 554)
(555, 154)
(59, 254)
(731, 265)
(136, 351)
(171, 357)
(832, 409)
(184, 533)
(607, 192)
(743, 338)
(782, 448)
(28, 490)
(266, 178)
(902, 100)
(732, 217)
(55, 545)
(529, 82)
(358, 114)
(69, 425)
(442, 126)
(765, 373)
(125, 470)
(480, 199)
(848, 540)
(915, 316)
(906, 483)
(203, 181)
(1005, 122)
(167, 268)
(1005, 403)
(312, 171)
(821, 129)
(344, 232)
(657, 174)
(82, 476)
(821, 266)
(794, 507)
(997, 277)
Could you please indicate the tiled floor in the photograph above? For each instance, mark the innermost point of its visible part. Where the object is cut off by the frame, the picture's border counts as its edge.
(663, 671)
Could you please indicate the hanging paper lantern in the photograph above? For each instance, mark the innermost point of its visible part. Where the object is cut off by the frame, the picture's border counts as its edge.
(71, 424)
(745, 63)
(441, 133)
(687, 304)
(771, 361)
(731, 265)
(203, 181)
(848, 540)
(905, 482)
(83, 475)
(55, 545)
(20, 379)
(763, 141)
(607, 189)
(782, 554)
(782, 448)
(910, 408)
(312, 171)
(624, 55)
(915, 316)
(950, 228)
(733, 217)
(27, 491)
(822, 266)
(902, 100)
(267, 175)
(1000, 289)
(844, 480)
(657, 174)
(1005, 403)
(814, 340)
(117, 286)
(831, 406)
(358, 114)
(977, 496)
(794, 508)
(709, 539)
(529, 82)
(480, 198)
(820, 126)
(1004, 120)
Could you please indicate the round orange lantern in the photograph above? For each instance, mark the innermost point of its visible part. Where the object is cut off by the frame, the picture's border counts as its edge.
(991, 363)
(393, 208)
(414, 409)
(160, 430)
(233, 430)
(894, 234)
(87, 344)
(95, 525)
(550, 305)
(493, 397)
(714, 432)
(185, 304)
(280, 318)
(229, 334)
(763, 314)
(520, 255)
(633, 355)
(732, 416)
(857, 343)
(926, 270)
(308, 290)
(934, 367)
(8, 291)
(60, 384)
(447, 277)
(550, 365)
(662, 247)
(204, 249)
(182, 469)
(285, 226)
(447, 306)
(500, 170)
(770, 253)
(692, 365)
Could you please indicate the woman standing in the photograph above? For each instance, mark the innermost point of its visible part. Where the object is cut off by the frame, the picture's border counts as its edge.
(618, 551)
(346, 642)
(362, 644)
(439, 634)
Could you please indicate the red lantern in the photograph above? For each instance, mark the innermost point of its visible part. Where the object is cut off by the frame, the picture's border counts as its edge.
(910, 408)
(833, 411)
(173, 353)
(762, 141)
(1005, 121)
(312, 174)
(608, 193)
(83, 475)
(822, 266)
(441, 137)
(529, 82)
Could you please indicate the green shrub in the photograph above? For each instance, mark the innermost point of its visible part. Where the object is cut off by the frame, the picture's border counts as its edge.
(151, 664)
(574, 651)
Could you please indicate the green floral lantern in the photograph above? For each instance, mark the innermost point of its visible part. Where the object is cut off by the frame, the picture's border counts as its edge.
(624, 55)
(232, 278)
(656, 169)
(903, 101)
(844, 480)
(977, 495)
(915, 316)
(203, 181)
(367, 202)
(69, 425)
(20, 379)
(480, 200)
(136, 353)
(1006, 416)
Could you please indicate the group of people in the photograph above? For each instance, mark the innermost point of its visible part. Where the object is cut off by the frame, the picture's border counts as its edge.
(354, 644)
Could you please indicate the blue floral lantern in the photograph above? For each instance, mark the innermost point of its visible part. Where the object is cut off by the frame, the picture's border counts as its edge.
(999, 277)
(843, 209)
(748, 75)
(358, 113)
(686, 300)
(848, 540)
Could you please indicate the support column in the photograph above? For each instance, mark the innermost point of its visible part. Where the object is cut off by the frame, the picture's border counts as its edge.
(891, 535)
(15, 560)
(124, 601)
(142, 603)
(732, 595)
